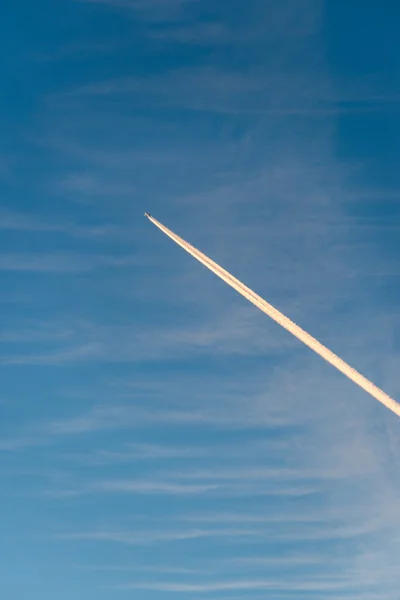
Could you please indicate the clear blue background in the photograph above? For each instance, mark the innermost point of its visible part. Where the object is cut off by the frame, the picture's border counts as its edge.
(158, 436)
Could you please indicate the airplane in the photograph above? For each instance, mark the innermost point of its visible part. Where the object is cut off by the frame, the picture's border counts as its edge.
(146, 214)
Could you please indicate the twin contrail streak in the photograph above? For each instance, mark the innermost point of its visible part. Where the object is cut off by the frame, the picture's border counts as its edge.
(280, 318)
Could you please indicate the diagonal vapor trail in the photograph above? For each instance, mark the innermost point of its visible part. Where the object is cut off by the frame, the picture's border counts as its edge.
(280, 318)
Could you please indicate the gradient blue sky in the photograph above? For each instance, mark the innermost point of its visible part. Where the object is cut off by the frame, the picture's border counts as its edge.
(160, 438)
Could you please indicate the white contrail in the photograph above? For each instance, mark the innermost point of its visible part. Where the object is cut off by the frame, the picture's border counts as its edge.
(268, 309)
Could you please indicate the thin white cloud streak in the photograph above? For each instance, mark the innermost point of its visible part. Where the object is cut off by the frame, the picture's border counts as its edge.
(149, 537)
(34, 331)
(275, 517)
(90, 186)
(24, 222)
(235, 333)
(261, 411)
(64, 263)
(17, 444)
(156, 488)
(297, 529)
(57, 357)
(151, 487)
(239, 535)
(262, 93)
(145, 452)
(227, 473)
(105, 418)
(169, 486)
(215, 92)
(153, 9)
(155, 452)
(286, 19)
(166, 570)
(285, 561)
(144, 343)
(311, 584)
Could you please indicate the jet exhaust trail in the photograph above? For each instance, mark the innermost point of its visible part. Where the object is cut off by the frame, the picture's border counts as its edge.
(284, 321)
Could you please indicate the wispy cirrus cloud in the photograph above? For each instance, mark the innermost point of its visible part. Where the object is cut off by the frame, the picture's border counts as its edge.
(210, 90)
(166, 570)
(150, 487)
(311, 585)
(63, 263)
(131, 452)
(25, 222)
(68, 355)
(141, 452)
(154, 537)
(15, 444)
(150, 8)
(301, 530)
(176, 488)
(258, 458)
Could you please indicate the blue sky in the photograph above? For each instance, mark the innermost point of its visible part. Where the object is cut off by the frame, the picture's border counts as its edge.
(160, 438)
